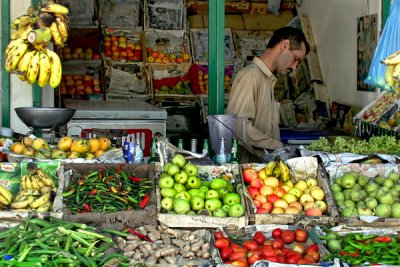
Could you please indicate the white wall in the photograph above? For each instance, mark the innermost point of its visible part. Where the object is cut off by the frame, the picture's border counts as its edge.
(334, 26)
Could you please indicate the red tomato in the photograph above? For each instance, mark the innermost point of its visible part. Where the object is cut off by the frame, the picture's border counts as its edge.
(304, 261)
(273, 258)
(310, 258)
(259, 238)
(267, 251)
(282, 258)
(278, 243)
(221, 243)
(226, 253)
(250, 244)
(218, 235)
(315, 255)
(300, 248)
(313, 247)
(235, 247)
(294, 253)
(239, 263)
(288, 236)
(300, 235)
(239, 255)
(256, 251)
(276, 233)
(253, 258)
(268, 242)
(293, 258)
(285, 251)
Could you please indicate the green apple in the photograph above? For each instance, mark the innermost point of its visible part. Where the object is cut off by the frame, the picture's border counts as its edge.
(355, 196)
(191, 169)
(338, 196)
(380, 179)
(362, 180)
(167, 192)
(225, 208)
(395, 210)
(221, 213)
(397, 187)
(205, 184)
(167, 203)
(361, 204)
(204, 212)
(388, 183)
(350, 204)
(230, 187)
(347, 193)
(179, 187)
(194, 192)
(386, 199)
(166, 181)
(191, 212)
(204, 189)
(218, 183)
(295, 191)
(181, 177)
(383, 210)
(181, 206)
(336, 188)
(183, 195)
(173, 169)
(394, 176)
(196, 203)
(349, 212)
(372, 187)
(222, 192)
(212, 194)
(348, 180)
(311, 182)
(231, 199)
(193, 182)
(166, 167)
(371, 202)
(212, 204)
(356, 187)
(364, 211)
(236, 210)
(179, 160)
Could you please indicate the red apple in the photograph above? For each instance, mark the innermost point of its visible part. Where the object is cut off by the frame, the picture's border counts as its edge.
(267, 206)
(249, 175)
(272, 198)
(253, 191)
(257, 183)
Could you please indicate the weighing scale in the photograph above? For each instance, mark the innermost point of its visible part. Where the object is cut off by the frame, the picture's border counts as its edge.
(117, 119)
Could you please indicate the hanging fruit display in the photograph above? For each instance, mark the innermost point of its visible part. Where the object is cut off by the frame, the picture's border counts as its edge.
(27, 54)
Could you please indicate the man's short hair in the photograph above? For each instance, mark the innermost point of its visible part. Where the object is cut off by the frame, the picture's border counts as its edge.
(294, 35)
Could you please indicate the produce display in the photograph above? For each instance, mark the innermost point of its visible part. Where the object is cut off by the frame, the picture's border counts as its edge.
(357, 194)
(272, 191)
(183, 192)
(122, 48)
(107, 190)
(27, 54)
(163, 245)
(360, 248)
(378, 108)
(67, 148)
(181, 88)
(285, 246)
(155, 56)
(376, 144)
(80, 85)
(78, 53)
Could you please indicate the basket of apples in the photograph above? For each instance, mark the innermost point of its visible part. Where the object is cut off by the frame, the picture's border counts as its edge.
(199, 196)
(273, 197)
(268, 244)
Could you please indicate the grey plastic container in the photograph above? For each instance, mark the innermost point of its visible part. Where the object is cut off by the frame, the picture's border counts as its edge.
(222, 126)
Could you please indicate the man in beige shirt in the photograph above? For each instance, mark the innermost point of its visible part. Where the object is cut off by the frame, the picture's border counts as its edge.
(252, 95)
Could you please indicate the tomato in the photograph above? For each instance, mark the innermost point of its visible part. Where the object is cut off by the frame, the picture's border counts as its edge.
(267, 251)
(235, 246)
(282, 258)
(268, 242)
(315, 255)
(239, 255)
(310, 258)
(253, 258)
(300, 235)
(239, 263)
(293, 258)
(285, 251)
(313, 247)
(221, 243)
(250, 244)
(273, 258)
(304, 261)
(294, 253)
(288, 236)
(259, 238)
(276, 233)
(226, 253)
(300, 248)
(278, 243)
(218, 235)
(256, 251)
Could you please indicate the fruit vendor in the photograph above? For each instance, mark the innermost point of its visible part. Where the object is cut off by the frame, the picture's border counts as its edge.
(252, 94)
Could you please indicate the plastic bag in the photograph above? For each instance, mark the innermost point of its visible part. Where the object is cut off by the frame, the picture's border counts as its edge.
(274, 6)
(389, 43)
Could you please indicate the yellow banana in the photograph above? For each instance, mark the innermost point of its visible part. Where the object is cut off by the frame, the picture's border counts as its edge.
(40, 201)
(46, 179)
(24, 64)
(392, 59)
(57, 39)
(45, 189)
(396, 71)
(270, 168)
(3, 201)
(389, 75)
(4, 192)
(15, 55)
(56, 69)
(45, 207)
(21, 33)
(24, 194)
(63, 18)
(62, 29)
(284, 171)
(22, 204)
(28, 182)
(22, 184)
(33, 69)
(12, 44)
(44, 70)
(23, 21)
(55, 8)
(37, 183)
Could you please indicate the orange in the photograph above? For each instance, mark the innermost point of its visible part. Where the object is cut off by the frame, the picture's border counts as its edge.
(105, 143)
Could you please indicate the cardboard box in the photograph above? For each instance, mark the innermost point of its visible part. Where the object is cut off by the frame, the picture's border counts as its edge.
(196, 21)
(268, 22)
(234, 22)
(202, 221)
(259, 8)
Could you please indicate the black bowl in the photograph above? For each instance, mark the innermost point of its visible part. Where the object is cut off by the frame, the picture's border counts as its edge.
(45, 118)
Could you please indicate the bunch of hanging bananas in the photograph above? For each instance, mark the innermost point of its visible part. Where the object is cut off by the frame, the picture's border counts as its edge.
(27, 54)
(279, 169)
(392, 73)
(5, 197)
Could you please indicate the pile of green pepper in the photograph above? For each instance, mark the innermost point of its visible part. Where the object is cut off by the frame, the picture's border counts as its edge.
(38, 242)
(356, 248)
(107, 190)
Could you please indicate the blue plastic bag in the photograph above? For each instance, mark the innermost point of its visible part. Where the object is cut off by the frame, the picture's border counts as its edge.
(388, 44)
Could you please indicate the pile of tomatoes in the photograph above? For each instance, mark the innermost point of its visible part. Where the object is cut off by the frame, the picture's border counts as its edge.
(286, 246)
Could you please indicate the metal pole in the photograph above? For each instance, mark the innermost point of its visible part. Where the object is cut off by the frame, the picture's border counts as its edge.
(216, 52)
(5, 76)
(37, 91)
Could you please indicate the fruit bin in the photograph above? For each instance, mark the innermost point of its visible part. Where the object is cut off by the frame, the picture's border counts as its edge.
(264, 216)
(372, 184)
(11, 175)
(72, 174)
(206, 173)
(76, 49)
(123, 44)
(199, 78)
(171, 79)
(270, 245)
